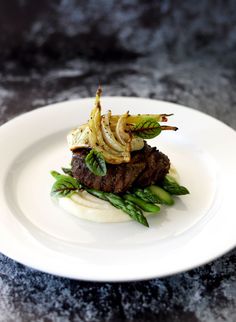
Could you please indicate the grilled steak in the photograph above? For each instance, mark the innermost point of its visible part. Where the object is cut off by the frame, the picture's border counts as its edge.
(147, 166)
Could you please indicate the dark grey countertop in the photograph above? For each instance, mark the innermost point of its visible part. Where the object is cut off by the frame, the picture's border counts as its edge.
(196, 70)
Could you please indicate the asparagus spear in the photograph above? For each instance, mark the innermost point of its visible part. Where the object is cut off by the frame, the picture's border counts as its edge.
(132, 210)
(146, 206)
(154, 194)
(172, 186)
(97, 193)
(128, 207)
(146, 195)
(162, 195)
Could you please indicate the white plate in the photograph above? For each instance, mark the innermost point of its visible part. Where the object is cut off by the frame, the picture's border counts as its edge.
(197, 229)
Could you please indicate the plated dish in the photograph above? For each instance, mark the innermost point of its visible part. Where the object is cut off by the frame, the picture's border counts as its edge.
(113, 171)
(196, 229)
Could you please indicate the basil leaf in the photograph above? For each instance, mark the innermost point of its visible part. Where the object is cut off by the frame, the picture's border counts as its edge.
(64, 186)
(96, 163)
(148, 128)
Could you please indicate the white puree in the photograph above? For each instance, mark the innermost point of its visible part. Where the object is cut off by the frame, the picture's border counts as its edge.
(85, 206)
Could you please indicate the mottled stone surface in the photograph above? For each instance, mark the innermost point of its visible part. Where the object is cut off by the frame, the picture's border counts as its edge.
(180, 51)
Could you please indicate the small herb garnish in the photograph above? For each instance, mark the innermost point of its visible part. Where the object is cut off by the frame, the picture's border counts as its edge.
(67, 171)
(64, 185)
(148, 128)
(96, 163)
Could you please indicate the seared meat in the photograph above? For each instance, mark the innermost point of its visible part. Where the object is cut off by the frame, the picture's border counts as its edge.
(119, 178)
(147, 166)
(157, 165)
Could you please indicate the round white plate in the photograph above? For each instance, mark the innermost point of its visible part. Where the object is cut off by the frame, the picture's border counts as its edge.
(197, 229)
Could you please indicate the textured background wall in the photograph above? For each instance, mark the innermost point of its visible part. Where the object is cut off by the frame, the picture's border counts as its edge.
(33, 32)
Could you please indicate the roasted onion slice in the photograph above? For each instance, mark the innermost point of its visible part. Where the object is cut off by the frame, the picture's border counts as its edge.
(108, 135)
(111, 134)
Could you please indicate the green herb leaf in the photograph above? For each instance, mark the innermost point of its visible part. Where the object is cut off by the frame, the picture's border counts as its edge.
(148, 128)
(67, 171)
(64, 186)
(58, 175)
(55, 174)
(96, 163)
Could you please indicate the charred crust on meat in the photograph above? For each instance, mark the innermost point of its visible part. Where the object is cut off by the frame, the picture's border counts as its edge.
(146, 167)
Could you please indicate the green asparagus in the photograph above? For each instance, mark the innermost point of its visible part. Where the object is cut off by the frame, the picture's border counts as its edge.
(162, 195)
(146, 206)
(146, 195)
(128, 207)
(172, 186)
(135, 213)
(97, 193)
